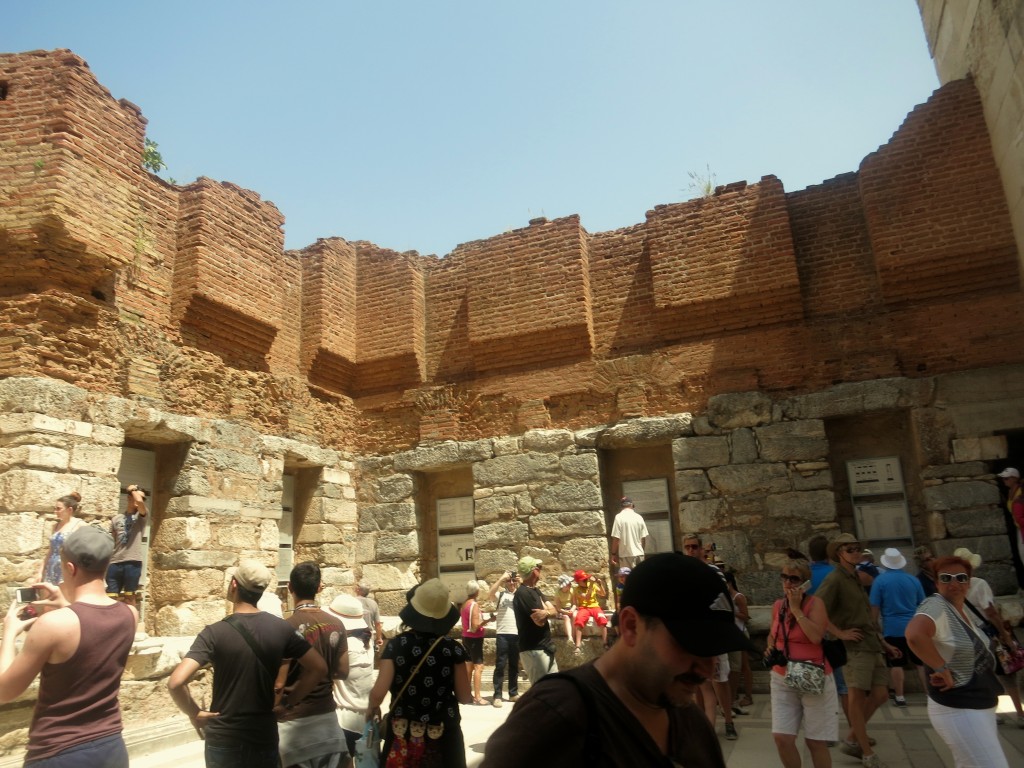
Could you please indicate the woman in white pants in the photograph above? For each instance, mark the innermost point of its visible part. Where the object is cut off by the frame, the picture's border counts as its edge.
(962, 687)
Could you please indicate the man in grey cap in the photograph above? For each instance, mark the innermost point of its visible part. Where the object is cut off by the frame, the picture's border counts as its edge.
(633, 705)
(77, 720)
(246, 650)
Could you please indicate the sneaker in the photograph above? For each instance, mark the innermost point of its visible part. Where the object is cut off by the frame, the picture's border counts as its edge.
(872, 761)
(900, 701)
(850, 748)
(514, 697)
(746, 701)
(730, 732)
(497, 701)
(738, 710)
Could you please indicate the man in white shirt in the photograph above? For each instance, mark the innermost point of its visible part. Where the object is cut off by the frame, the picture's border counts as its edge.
(629, 536)
(506, 637)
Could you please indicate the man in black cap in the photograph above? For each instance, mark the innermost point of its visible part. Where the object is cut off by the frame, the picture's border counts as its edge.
(246, 650)
(77, 720)
(633, 705)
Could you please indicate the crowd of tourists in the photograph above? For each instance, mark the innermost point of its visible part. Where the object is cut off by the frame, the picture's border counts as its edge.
(308, 690)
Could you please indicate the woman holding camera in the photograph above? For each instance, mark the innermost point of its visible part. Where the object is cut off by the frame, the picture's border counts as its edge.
(962, 686)
(798, 626)
(66, 509)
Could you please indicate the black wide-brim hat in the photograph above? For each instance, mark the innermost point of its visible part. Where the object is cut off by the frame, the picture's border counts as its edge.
(430, 609)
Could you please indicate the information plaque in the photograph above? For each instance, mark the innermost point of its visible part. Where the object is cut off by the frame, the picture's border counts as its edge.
(455, 513)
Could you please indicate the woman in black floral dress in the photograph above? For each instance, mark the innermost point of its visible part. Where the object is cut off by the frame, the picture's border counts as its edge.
(427, 725)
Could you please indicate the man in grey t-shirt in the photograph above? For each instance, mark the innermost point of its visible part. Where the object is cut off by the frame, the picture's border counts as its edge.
(125, 569)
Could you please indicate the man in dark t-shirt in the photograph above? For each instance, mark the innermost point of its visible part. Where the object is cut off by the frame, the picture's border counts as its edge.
(309, 730)
(634, 705)
(246, 650)
(536, 648)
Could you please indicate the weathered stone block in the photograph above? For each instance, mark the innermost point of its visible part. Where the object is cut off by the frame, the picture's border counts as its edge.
(691, 482)
(989, 547)
(814, 506)
(562, 525)
(330, 476)
(337, 511)
(508, 533)
(979, 448)
(27, 394)
(696, 516)
(750, 478)
(34, 457)
(104, 435)
(590, 554)
(734, 547)
(964, 523)
(442, 456)
(394, 488)
(202, 505)
(177, 586)
(960, 495)
(507, 470)
(500, 506)
(269, 536)
(31, 490)
(858, 397)
(192, 482)
(580, 466)
(397, 546)
(567, 497)
(319, 533)
(811, 481)
(645, 431)
(387, 517)
(969, 469)
(95, 459)
(491, 562)
(237, 536)
(23, 534)
(547, 440)
(793, 440)
(225, 460)
(933, 431)
(503, 446)
(195, 558)
(182, 533)
(390, 576)
(739, 409)
(743, 446)
(700, 452)
(299, 454)
(189, 618)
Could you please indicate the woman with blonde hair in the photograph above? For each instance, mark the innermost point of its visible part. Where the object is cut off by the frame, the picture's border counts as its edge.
(66, 509)
(473, 624)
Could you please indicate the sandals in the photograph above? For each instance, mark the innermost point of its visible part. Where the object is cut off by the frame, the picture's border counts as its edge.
(479, 703)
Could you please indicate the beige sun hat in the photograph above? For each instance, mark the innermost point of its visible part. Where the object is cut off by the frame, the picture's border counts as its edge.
(965, 554)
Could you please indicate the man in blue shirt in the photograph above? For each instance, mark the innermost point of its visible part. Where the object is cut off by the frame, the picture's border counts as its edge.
(817, 548)
(895, 595)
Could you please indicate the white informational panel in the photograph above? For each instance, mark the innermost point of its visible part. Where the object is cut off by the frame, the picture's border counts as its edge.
(884, 520)
(875, 477)
(455, 513)
(648, 495)
(455, 550)
(659, 537)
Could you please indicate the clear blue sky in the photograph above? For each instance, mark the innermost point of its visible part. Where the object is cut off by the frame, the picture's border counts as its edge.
(421, 125)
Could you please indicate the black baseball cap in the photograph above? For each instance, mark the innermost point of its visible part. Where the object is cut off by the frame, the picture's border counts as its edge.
(690, 598)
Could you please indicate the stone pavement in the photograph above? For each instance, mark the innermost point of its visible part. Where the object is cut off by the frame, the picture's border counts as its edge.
(905, 738)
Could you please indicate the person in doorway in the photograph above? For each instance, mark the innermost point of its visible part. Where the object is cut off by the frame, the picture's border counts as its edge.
(79, 652)
(1015, 506)
(125, 570)
(926, 572)
(629, 535)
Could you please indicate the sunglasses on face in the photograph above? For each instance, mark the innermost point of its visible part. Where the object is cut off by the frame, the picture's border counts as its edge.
(851, 549)
(961, 578)
(792, 579)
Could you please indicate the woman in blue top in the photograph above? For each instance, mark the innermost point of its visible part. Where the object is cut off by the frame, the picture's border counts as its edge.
(66, 509)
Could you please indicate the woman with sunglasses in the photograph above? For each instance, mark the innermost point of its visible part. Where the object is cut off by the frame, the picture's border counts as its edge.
(798, 626)
(962, 687)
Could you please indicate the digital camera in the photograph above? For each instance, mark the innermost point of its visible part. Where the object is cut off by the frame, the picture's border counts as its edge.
(773, 657)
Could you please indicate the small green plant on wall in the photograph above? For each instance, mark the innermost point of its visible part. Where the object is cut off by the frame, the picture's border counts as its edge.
(151, 159)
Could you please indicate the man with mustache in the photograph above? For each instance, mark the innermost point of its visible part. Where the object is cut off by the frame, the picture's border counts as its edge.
(633, 705)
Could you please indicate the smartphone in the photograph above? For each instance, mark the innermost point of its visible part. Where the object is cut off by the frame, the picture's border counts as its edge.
(26, 594)
(805, 586)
